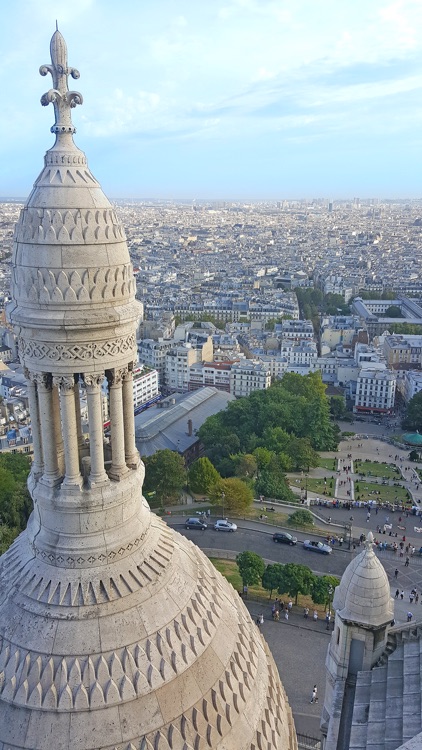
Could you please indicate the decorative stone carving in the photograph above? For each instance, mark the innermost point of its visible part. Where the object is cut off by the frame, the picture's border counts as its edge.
(94, 380)
(67, 226)
(116, 377)
(43, 380)
(45, 285)
(76, 352)
(65, 383)
(63, 99)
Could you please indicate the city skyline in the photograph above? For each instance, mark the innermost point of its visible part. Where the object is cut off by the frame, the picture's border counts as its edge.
(232, 99)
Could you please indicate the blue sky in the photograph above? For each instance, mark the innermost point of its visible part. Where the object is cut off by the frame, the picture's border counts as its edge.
(241, 99)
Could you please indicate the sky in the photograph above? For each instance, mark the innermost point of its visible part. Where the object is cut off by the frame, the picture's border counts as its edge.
(223, 99)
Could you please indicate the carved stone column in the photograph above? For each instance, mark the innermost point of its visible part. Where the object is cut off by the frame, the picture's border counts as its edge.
(58, 429)
(131, 453)
(78, 415)
(34, 410)
(66, 388)
(96, 440)
(118, 462)
(51, 475)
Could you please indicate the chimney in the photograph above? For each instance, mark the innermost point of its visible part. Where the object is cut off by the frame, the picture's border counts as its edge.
(190, 430)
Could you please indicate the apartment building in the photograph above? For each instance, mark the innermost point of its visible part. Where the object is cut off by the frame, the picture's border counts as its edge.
(145, 385)
(375, 391)
(153, 354)
(403, 351)
(249, 376)
(215, 374)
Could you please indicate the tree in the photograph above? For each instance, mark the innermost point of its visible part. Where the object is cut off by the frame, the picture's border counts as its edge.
(165, 474)
(302, 455)
(203, 476)
(272, 577)
(245, 465)
(413, 416)
(251, 567)
(295, 580)
(237, 495)
(263, 457)
(301, 518)
(337, 406)
(393, 311)
(323, 588)
(414, 455)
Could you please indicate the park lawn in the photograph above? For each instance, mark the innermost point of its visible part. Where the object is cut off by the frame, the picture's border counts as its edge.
(376, 469)
(328, 463)
(275, 518)
(229, 569)
(317, 485)
(367, 491)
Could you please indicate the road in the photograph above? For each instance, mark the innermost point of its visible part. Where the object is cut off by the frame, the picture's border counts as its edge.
(252, 536)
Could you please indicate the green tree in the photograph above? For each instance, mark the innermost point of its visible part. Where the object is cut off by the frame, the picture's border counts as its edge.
(337, 407)
(263, 457)
(245, 465)
(323, 588)
(301, 518)
(413, 416)
(237, 498)
(272, 577)
(302, 455)
(165, 474)
(414, 456)
(272, 481)
(203, 476)
(295, 579)
(393, 311)
(251, 568)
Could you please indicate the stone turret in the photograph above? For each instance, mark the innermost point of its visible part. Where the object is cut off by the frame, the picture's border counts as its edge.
(115, 632)
(364, 612)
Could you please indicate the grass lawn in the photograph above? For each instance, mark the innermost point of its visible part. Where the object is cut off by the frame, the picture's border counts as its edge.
(317, 485)
(368, 491)
(328, 463)
(229, 570)
(376, 469)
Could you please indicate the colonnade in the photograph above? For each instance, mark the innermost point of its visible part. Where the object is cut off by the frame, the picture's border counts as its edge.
(57, 435)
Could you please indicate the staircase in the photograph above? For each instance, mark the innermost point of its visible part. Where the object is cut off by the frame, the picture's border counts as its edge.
(387, 708)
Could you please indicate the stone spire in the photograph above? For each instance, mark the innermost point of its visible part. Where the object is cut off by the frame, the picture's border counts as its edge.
(115, 632)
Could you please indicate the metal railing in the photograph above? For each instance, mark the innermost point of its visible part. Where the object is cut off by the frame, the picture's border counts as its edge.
(306, 742)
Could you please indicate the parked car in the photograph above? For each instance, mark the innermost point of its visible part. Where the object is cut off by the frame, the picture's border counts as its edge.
(324, 549)
(225, 526)
(195, 523)
(282, 537)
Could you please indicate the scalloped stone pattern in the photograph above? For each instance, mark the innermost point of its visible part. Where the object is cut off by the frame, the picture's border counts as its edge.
(54, 285)
(67, 226)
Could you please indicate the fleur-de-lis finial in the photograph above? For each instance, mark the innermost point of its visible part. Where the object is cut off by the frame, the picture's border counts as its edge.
(63, 99)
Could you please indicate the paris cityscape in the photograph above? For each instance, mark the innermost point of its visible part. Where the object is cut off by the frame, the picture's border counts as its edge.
(211, 408)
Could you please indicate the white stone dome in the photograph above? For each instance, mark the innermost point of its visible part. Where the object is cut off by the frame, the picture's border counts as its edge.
(363, 595)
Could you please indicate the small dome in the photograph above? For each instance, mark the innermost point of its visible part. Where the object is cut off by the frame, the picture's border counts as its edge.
(363, 595)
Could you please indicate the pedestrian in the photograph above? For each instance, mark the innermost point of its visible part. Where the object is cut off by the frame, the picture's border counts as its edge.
(409, 616)
(406, 565)
(411, 597)
(396, 573)
(306, 613)
(314, 698)
(402, 594)
(315, 616)
(327, 620)
(290, 605)
(286, 614)
(397, 593)
(260, 620)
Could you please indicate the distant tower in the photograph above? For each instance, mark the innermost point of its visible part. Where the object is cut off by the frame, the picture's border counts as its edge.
(115, 632)
(364, 612)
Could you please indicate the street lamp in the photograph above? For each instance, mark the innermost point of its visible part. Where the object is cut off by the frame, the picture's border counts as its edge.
(330, 598)
(223, 497)
(348, 529)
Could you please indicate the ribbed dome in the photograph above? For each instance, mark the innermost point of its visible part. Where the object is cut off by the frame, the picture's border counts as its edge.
(116, 633)
(363, 595)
